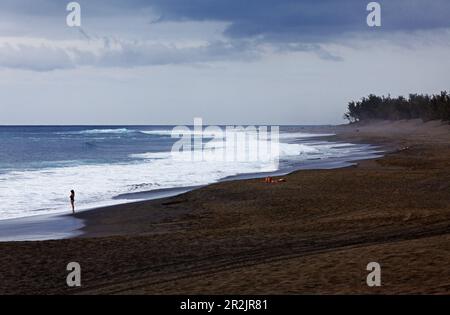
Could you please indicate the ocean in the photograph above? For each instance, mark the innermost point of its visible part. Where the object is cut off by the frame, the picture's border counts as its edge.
(107, 165)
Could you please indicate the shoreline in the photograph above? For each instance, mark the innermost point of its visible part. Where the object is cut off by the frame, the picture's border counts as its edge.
(57, 226)
(95, 216)
(313, 234)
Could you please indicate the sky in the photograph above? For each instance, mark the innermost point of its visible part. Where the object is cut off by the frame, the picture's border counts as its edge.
(272, 62)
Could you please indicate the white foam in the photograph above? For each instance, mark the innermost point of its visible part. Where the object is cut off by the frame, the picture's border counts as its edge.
(151, 155)
(101, 131)
(46, 191)
(165, 132)
(291, 149)
(191, 132)
(205, 133)
(217, 149)
(302, 135)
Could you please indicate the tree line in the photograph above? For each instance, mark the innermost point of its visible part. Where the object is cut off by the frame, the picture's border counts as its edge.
(424, 106)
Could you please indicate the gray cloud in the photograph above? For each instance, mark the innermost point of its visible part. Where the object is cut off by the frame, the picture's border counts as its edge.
(35, 58)
(302, 19)
(306, 20)
(107, 52)
(272, 19)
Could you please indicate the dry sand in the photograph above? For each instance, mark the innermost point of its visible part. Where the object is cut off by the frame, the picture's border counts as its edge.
(314, 233)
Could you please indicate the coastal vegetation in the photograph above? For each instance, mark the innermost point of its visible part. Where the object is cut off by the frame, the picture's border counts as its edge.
(424, 106)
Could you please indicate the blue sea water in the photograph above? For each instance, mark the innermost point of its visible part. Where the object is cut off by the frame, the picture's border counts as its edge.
(32, 147)
(40, 165)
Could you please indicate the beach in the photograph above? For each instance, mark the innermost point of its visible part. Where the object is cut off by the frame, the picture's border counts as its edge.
(315, 233)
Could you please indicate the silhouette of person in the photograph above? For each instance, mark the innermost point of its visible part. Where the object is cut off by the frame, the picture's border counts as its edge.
(72, 200)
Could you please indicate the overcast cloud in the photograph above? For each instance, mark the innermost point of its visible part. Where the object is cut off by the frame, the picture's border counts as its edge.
(241, 51)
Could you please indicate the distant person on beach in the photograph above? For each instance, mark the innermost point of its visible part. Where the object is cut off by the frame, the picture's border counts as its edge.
(270, 180)
(72, 200)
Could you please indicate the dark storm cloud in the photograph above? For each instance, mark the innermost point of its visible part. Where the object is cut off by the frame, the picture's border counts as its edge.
(285, 25)
(312, 20)
(276, 20)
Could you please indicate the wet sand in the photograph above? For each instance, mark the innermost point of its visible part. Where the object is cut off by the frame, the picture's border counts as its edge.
(40, 228)
(315, 233)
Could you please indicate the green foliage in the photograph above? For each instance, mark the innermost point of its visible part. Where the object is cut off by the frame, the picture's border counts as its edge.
(426, 107)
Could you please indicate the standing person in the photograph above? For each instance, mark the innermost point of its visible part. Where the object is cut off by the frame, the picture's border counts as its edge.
(72, 200)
